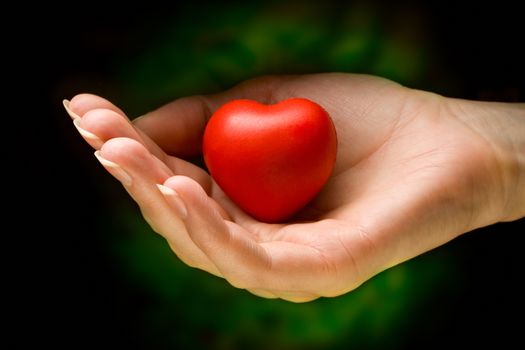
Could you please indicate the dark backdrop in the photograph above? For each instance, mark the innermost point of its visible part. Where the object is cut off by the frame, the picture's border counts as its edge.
(87, 270)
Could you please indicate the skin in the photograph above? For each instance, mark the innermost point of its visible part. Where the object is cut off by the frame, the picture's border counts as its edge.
(413, 171)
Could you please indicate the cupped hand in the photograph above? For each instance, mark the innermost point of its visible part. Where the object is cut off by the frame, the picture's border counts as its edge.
(410, 175)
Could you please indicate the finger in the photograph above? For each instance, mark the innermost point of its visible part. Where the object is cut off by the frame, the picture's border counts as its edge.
(262, 293)
(83, 103)
(92, 139)
(139, 172)
(69, 111)
(286, 268)
(112, 122)
(233, 250)
(289, 296)
(100, 125)
(234, 213)
(107, 124)
(178, 126)
(80, 106)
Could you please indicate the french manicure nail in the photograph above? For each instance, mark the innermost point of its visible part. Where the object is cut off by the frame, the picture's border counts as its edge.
(87, 134)
(174, 200)
(138, 118)
(115, 170)
(72, 114)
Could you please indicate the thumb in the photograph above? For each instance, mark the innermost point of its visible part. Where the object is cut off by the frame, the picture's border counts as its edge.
(178, 126)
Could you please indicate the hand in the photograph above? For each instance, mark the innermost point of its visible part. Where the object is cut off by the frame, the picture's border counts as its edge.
(413, 171)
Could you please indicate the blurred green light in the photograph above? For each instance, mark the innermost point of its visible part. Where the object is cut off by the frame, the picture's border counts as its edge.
(222, 47)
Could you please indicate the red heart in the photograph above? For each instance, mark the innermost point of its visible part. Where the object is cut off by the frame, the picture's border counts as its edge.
(271, 160)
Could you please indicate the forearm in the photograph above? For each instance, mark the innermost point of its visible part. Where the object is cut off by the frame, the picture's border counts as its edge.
(502, 125)
(515, 129)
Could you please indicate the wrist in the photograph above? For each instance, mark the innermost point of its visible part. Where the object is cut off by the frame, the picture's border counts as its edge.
(502, 127)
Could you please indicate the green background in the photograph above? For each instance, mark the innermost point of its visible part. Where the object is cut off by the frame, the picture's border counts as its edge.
(126, 277)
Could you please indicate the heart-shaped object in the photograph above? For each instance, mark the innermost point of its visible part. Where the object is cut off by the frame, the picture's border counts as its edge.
(271, 160)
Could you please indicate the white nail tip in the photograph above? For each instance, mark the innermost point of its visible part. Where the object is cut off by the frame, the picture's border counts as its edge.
(115, 169)
(106, 162)
(138, 118)
(86, 134)
(72, 114)
(175, 200)
(165, 190)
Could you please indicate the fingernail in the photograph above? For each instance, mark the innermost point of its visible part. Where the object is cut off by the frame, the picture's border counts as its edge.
(115, 170)
(87, 134)
(72, 114)
(138, 118)
(262, 293)
(174, 200)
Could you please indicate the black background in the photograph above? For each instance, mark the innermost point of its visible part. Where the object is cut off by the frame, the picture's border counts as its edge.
(66, 292)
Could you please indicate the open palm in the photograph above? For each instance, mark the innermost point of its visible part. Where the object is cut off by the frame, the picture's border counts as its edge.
(403, 183)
